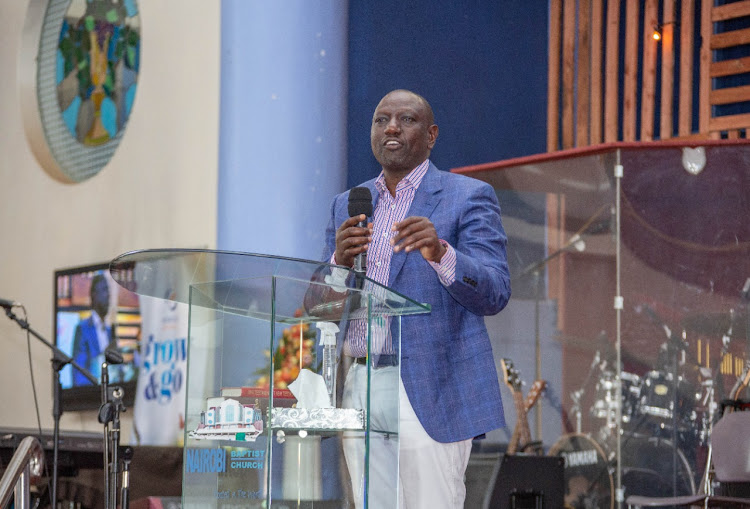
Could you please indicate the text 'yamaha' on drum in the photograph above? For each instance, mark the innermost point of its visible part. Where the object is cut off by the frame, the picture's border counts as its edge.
(588, 481)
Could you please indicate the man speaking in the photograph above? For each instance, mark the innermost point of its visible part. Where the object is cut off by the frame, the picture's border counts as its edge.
(436, 237)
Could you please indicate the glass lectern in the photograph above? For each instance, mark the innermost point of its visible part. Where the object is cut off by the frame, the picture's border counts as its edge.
(273, 418)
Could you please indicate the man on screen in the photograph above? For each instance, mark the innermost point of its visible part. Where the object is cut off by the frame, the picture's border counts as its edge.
(92, 335)
(436, 237)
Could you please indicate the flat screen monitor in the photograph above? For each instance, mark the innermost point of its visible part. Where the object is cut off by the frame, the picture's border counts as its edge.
(93, 313)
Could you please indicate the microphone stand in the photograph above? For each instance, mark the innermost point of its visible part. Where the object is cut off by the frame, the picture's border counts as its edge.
(104, 418)
(536, 269)
(745, 295)
(109, 411)
(127, 455)
(59, 360)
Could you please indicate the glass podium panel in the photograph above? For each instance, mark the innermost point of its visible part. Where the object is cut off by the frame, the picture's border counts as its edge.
(292, 380)
(630, 268)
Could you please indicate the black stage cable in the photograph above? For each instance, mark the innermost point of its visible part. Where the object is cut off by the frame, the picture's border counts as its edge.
(36, 407)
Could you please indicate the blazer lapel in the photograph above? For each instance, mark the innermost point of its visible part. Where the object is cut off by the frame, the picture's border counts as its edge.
(425, 200)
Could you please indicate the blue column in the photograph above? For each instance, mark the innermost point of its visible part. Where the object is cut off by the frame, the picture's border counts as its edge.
(282, 146)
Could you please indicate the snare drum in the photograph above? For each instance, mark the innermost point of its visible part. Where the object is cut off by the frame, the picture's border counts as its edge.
(588, 481)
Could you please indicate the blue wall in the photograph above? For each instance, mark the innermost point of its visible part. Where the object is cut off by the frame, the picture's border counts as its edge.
(481, 65)
(282, 146)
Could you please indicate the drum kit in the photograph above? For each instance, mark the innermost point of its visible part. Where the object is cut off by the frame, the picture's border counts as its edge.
(666, 416)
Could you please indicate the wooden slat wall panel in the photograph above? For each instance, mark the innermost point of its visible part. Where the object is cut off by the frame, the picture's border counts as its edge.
(685, 110)
(730, 11)
(553, 78)
(704, 111)
(583, 90)
(730, 95)
(718, 124)
(727, 39)
(648, 98)
(611, 117)
(568, 72)
(729, 67)
(596, 72)
(667, 70)
(631, 71)
(733, 126)
(584, 103)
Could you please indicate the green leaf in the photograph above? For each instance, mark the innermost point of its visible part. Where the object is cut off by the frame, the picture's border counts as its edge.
(66, 47)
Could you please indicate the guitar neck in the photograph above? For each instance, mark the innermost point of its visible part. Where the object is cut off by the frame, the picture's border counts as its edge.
(522, 423)
(521, 433)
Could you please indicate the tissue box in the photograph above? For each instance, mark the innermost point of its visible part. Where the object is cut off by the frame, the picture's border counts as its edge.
(318, 418)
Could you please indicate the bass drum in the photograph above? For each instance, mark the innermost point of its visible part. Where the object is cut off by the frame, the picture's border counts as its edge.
(647, 468)
(588, 480)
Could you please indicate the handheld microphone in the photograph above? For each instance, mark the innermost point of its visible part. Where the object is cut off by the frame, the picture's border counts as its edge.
(7, 304)
(360, 202)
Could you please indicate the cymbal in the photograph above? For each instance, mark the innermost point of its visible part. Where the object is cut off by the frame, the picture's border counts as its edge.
(717, 324)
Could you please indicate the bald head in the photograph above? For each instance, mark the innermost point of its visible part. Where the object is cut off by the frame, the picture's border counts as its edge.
(430, 116)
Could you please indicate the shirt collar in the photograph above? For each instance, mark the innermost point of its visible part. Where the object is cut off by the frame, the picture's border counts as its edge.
(98, 322)
(412, 179)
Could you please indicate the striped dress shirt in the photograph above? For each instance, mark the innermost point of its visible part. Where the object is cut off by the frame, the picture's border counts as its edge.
(388, 211)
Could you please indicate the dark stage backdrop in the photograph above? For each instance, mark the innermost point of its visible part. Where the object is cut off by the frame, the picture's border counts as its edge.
(481, 64)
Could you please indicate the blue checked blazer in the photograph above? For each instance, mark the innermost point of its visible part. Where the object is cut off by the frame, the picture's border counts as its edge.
(447, 365)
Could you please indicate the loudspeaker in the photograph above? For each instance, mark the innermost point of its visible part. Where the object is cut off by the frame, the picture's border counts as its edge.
(527, 482)
(480, 477)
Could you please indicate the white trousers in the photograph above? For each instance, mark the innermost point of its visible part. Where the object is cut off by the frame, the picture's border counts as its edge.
(410, 471)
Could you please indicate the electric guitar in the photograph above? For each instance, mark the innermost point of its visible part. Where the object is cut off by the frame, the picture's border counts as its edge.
(521, 434)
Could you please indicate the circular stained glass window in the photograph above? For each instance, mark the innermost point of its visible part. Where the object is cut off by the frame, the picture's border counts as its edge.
(87, 77)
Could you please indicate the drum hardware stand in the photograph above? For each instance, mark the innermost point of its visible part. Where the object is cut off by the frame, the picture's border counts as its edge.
(745, 295)
(709, 401)
(707, 478)
(577, 395)
(675, 347)
(576, 409)
(59, 360)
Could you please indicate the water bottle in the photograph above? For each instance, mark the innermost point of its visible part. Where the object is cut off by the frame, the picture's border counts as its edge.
(328, 332)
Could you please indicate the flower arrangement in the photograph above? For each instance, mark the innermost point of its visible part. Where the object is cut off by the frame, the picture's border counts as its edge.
(295, 351)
